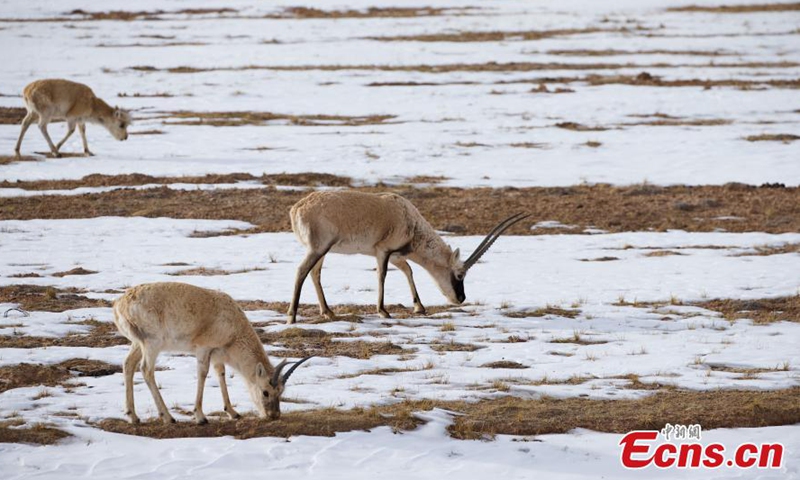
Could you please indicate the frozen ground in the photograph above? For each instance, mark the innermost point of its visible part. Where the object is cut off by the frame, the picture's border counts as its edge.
(464, 128)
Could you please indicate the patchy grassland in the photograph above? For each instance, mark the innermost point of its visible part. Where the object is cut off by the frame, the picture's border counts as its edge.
(512, 416)
(771, 208)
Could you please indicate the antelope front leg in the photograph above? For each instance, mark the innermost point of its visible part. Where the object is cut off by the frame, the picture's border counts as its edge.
(406, 269)
(220, 369)
(70, 131)
(82, 131)
(203, 360)
(383, 264)
(129, 368)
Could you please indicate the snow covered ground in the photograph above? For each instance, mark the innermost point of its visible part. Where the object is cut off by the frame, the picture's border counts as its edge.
(473, 127)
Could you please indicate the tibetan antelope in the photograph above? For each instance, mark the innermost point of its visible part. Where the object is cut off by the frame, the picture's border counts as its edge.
(179, 317)
(56, 99)
(387, 227)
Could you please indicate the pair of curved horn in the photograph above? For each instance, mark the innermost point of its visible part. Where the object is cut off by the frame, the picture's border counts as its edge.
(492, 237)
(276, 375)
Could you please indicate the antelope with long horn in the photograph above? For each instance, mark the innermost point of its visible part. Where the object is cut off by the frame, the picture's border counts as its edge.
(387, 227)
(178, 317)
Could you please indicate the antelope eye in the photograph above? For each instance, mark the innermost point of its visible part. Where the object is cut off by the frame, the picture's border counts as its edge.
(121, 125)
(266, 394)
(459, 277)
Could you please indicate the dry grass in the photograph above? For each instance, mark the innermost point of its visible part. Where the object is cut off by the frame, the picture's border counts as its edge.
(643, 78)
(9, 159)
(513, 416)
(611, 52)
(600, 259)
(756, 8)
(579, 127)
(304, 342)
(761, 311)
(12, 115)
(27, 375)
(74, 271)
(541, 312)
(453, 346)
(680, 122)
(325, 422)
(578, 339)
(766, 250)
(211, 272)
(494, 36)
(371, 12)
(48, 299)
(310, 179)
(663, 253)
(504, 364)
(348, 311)
(101, 335)
(475, 210)
(238, 119)
(148, 132)
(37, 434)
(780, 137)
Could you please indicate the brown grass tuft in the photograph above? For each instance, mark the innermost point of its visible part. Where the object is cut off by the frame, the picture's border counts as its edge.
(752, 8)
(237, 119)
(780, 137)
(48, 299)
(74, 271)
(37, 434)
(12, 115)
(27, 375)
(492, 36)
(541, 312)
(504, 364)
(513, 416)
(304, 342)
(761, 311)
(579, 128)
(311, 179)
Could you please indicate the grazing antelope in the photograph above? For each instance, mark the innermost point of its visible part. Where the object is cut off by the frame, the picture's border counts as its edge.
(387, 227)
(58, 99)
(179, 317)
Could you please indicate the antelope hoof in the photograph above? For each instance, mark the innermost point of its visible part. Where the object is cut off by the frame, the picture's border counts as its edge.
(133, 419)
(329, 315)
(17, 156)
(420, 310)
(167, 419)
(87, 153)
(201, 420)
(384, 314)
(233, 414)
(290, 320)
(56, 155)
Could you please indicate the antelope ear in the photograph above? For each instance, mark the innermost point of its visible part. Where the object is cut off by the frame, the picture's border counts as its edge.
(117, 112)
(455, 257)
(261, 372)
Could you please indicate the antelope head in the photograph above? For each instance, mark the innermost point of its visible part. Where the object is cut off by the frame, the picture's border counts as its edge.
(267, 390)
(451, 281)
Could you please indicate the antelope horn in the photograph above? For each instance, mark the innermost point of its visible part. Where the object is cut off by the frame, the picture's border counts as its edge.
(294, 367)
(492, 236)
(276, 375)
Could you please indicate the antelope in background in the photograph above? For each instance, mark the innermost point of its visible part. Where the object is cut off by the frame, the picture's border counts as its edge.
(178, 317)
(387, 227)
(58, 99)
